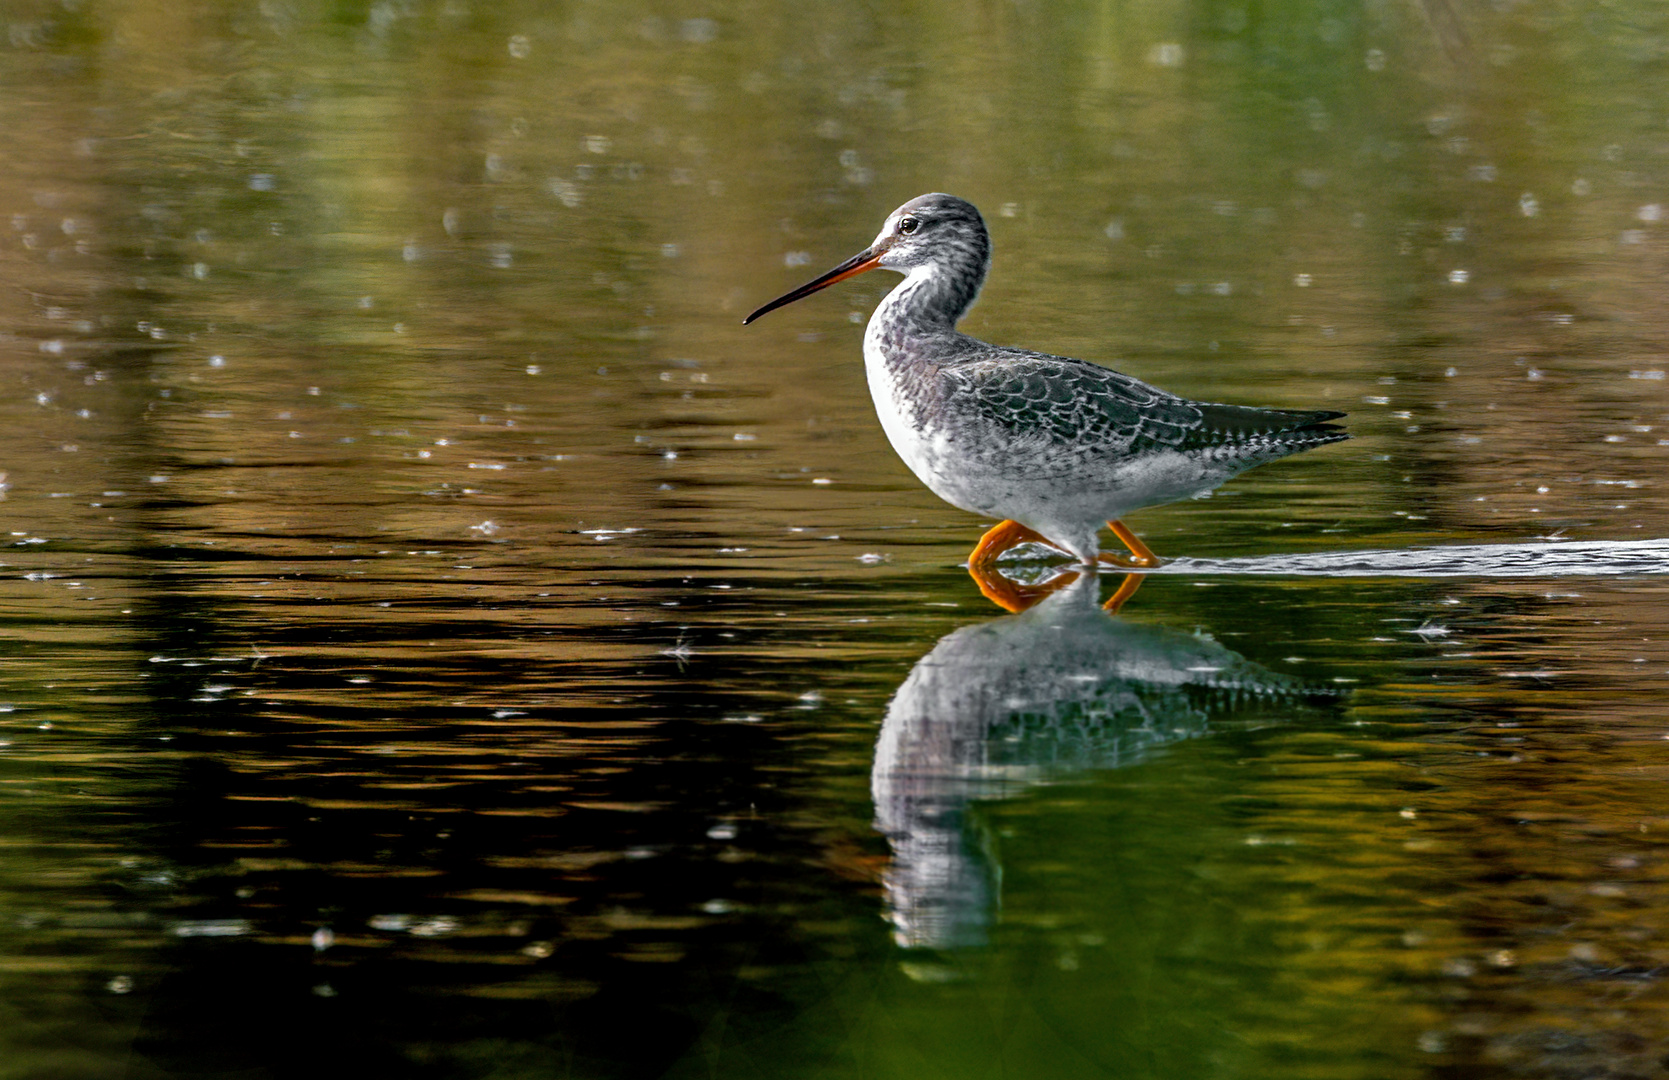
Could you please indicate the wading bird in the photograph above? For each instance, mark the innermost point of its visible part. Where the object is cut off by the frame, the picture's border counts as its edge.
(1052, 445)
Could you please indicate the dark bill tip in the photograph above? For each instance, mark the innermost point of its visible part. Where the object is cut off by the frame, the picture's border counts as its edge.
(868, 259)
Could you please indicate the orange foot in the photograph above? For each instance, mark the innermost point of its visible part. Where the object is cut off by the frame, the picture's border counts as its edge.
(1140, 557)
(1012, 596)
(1009, 594)
(1000, 538)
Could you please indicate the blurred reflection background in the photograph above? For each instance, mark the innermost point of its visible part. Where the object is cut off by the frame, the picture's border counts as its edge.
(440, 641)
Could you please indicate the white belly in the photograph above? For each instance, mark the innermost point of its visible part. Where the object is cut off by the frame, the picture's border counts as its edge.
(928, 454)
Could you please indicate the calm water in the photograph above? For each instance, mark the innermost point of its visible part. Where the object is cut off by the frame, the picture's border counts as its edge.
(440, 641)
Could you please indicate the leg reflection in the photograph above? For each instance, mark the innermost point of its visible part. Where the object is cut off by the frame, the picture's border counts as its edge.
(1126, 589)
(1011, 595)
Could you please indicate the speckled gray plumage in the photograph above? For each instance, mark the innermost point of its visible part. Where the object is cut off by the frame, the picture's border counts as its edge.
(1052, 413)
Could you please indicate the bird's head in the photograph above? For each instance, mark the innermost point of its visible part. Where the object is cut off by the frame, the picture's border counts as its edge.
(929, 231)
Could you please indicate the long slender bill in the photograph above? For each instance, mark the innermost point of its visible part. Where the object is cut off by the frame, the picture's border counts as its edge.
(868, 259)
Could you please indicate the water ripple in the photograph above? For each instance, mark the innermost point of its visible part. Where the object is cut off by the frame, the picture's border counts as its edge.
(1599, 558)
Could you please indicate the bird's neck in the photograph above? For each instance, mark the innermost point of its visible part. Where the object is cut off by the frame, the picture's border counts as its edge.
(930, 301)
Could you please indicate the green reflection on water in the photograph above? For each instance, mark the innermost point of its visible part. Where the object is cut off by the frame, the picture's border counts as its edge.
(406, 541)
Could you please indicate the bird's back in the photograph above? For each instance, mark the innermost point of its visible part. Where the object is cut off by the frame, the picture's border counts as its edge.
(1055, 408)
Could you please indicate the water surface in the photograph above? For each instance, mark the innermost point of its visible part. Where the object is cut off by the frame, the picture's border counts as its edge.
(440, 641)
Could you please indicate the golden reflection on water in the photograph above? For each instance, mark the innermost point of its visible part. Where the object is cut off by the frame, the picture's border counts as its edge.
(427, 613)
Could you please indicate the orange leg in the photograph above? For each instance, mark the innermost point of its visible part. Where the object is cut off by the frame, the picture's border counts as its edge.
(1001, 537)
(1140, 553)
(1009, 594)
(1126, 589)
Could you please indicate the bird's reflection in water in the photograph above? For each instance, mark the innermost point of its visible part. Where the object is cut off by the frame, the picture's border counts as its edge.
(1002, 706)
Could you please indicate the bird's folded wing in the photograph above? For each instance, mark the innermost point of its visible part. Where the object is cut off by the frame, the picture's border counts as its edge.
(1054, 404)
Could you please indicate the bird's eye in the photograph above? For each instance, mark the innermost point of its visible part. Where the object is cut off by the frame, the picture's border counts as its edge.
(908, 225)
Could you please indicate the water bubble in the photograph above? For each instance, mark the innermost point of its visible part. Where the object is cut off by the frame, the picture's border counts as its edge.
(1375, 60)
(797, 258)
(566, 191)
(519, 46)
(1650, 213)
(698, 31)
(1459, 277)
(722, 831)
(1166, 54)
(120, 984)
(597, 144)
(1302, 280)
(1527, 205)
(1580, 186)
(262, 182)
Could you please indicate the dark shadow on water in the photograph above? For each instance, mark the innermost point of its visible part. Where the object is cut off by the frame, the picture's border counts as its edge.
(1000, 707)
